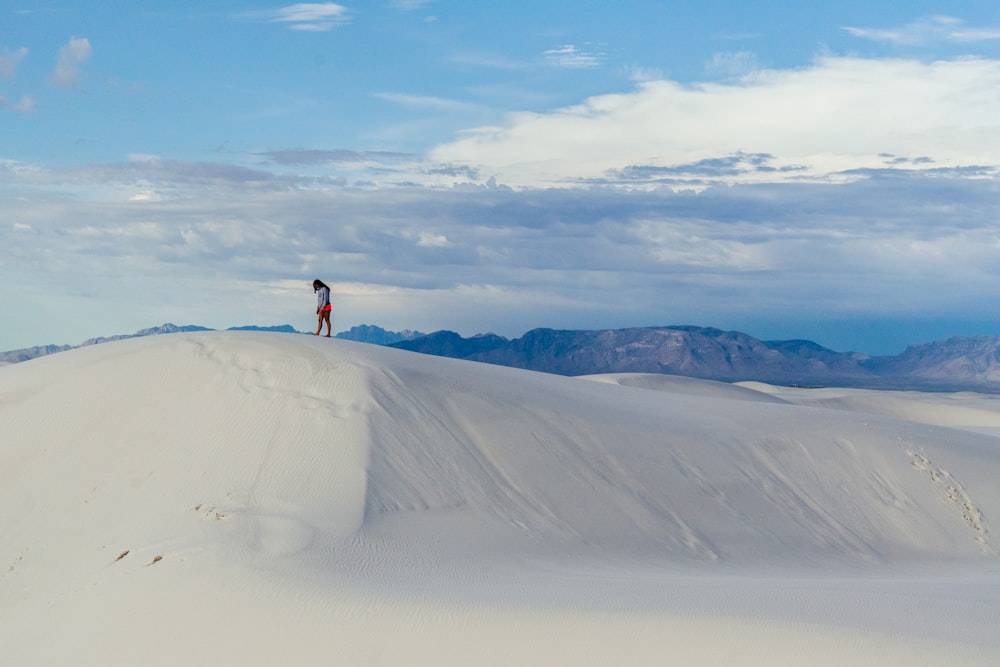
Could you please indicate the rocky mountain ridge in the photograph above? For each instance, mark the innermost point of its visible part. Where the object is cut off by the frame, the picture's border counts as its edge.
(729, 356)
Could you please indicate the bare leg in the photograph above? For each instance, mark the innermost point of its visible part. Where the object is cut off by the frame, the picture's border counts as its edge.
(319, 322)
(326, 318)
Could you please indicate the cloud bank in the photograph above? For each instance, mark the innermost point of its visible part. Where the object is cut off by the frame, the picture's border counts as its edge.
(222, 246)
(816, 123)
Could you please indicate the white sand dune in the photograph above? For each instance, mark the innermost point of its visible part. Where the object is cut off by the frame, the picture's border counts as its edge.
(236, 498)
(972, 411)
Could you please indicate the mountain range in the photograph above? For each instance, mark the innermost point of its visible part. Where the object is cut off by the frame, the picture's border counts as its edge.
(729, 356)
(961, 362)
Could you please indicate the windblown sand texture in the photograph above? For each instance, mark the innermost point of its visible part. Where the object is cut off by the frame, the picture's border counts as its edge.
(243, 498)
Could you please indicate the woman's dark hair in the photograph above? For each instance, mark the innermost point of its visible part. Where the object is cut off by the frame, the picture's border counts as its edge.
(319, 283)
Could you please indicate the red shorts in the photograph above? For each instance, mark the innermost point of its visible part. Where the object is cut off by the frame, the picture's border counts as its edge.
(328, 307)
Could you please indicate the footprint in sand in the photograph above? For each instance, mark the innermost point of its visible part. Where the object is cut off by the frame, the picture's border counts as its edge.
(956, 495)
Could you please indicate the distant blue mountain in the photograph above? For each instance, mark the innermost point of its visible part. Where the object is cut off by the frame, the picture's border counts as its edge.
(280, 328)
(729, 356)
(26, 353)
(167, 328)
(366, 333)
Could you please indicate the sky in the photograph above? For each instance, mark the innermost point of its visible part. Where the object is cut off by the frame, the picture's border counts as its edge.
(822, 170)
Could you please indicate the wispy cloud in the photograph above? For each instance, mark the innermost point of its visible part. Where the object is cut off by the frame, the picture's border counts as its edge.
(568, 55)
(488, 60)
(307, 157)
(410, 5)
(25, 105)
(69, 61)
(307, 16)
(10, 60)
(642, 74)
(312, 156)
(928, 30)
(425, 102)
(732, 65)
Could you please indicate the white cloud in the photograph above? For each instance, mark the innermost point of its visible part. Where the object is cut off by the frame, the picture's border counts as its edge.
(71, 57)
(432, 240)
(311, 17)
(928, 30)
(25, 105)
(732, 65)
(488, 60)
(10, 60)
(424, 101)
(568, 55)
(643, 74)
(143, 157)
(410, 5)
(146, 195)
(836, 116)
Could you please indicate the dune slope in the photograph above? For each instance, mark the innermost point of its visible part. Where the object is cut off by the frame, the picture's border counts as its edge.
(209, 498)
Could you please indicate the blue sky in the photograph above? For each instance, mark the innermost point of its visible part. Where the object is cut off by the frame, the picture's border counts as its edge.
(791, 170)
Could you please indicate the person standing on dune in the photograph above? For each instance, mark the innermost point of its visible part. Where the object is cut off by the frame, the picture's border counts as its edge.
(323, 306)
